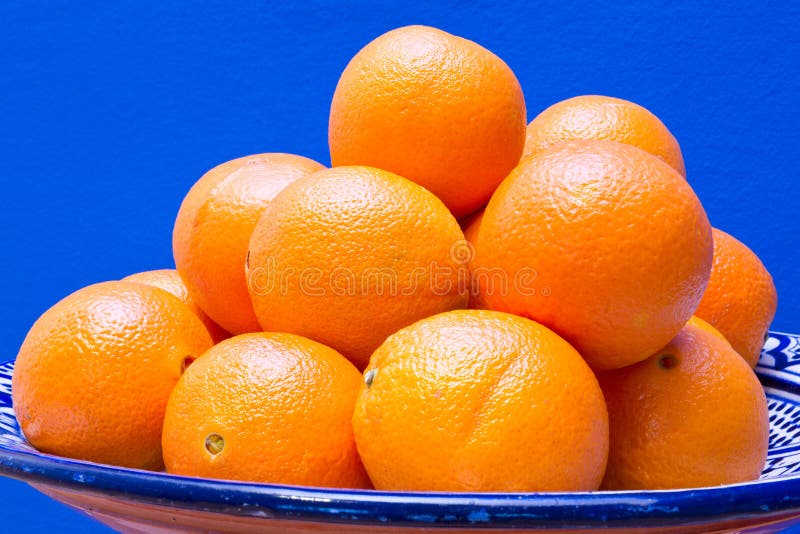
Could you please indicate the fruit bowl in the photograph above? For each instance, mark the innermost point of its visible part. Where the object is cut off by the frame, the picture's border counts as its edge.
(141, 501)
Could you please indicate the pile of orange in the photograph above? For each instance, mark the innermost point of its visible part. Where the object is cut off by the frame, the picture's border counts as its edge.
(462, 302)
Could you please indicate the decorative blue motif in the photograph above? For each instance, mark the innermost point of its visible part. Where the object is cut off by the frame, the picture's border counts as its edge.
(781, 353)
(10, 434)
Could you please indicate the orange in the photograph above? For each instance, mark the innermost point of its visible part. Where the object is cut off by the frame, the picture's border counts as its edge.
(740, 300)
(437, 109)
(471, 226)
(94, 373)
(477, 400)
(349, 255)
(693, 414)
(266, 407)
(213, 228)
(604, 118)
(600, 241)
(702, 325)
(170, 281)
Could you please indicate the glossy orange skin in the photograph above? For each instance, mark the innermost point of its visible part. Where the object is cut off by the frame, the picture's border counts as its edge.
(170, 281)
(703, 325)
(282, 403)
(604, 118)
(477, 400)
(741, 299)
(94, 373)
(471, 226)
(327, 237)
(701, 422)
(437, 109)
(615, 245)
(213, 227)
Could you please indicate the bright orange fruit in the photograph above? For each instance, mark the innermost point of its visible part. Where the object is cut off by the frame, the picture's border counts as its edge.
(266, 407)
(349, 255)
(600, 241)
(693, 414)
(213, 229)
(703, 325)
(471, 226)
(477, 400)
(94, 373)
(437, 109)
(170, 281)
(741, 299)
(604, 118)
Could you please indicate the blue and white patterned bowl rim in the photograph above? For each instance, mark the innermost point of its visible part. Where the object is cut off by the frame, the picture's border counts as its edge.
(777, 493)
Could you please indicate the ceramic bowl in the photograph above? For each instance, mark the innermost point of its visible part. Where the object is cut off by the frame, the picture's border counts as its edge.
(140, 501)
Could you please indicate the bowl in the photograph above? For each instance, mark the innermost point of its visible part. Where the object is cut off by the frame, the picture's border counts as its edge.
(132, 500)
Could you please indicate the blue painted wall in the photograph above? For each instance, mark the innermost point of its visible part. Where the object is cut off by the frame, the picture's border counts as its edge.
(109, 111)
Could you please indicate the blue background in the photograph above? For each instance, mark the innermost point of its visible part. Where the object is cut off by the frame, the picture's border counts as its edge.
(110, 111)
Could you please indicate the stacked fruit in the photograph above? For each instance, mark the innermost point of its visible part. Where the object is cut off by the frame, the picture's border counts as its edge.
(316, 328)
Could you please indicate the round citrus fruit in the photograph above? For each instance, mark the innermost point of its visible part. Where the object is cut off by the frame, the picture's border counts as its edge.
(94, 373)
(170, 281)
(471, 226)
(349, 255)
(740, 300)
(702, 325)
(213, 228)
(266, 407)
(477, 400)
(437, 109)
(604, 118)
(691, 415)
(600, 241)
